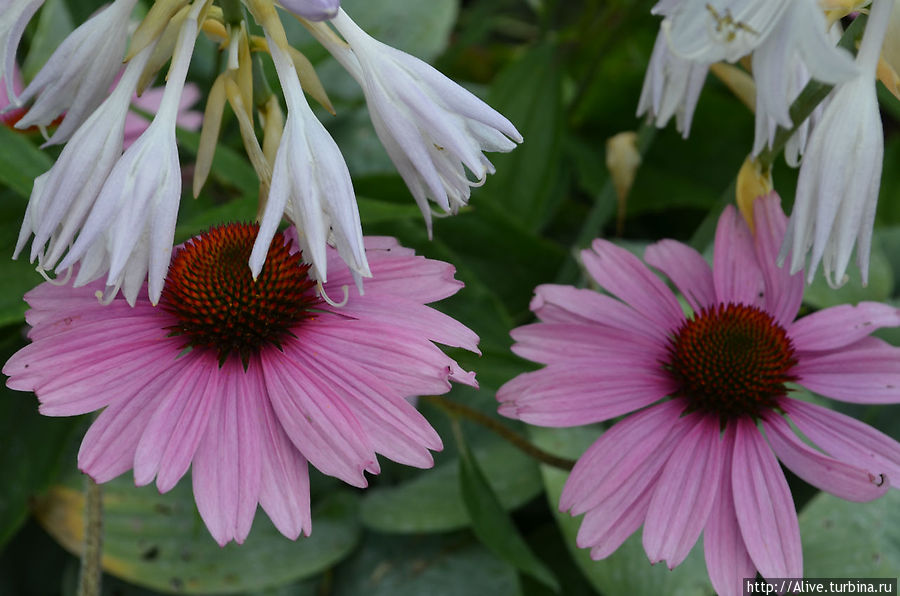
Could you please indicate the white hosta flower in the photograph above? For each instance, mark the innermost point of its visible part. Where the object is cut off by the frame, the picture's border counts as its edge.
(672, 87)
(311, 182)
(840, 176)
(314, 10)
(432, 128)
(713, 30)
(57, 207)
(14, 16)
(76, 78)
(131, 226)
(797, 49)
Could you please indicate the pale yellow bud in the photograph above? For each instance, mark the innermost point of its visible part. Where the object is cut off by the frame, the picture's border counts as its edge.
(738, 82)
(753, 180)
(889, 65)
(622, 160)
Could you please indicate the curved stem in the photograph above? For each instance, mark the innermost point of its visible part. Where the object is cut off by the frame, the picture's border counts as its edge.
(521, 443)
(91, 569)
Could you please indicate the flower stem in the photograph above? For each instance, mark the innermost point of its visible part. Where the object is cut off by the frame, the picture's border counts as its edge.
(91, 569)
(456, 409)
(811, 96)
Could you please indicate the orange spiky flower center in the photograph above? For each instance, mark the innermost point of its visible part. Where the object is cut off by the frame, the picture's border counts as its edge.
(732, 360)
(218, 304)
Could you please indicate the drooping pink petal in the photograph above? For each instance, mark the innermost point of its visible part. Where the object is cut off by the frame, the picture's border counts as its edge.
(227, 468)
(865, 372)
(687, 269)
(108, 448)
(840, 326)
(396, 429)
(684, 494)
(317, 421)
(576, 394)
(763, 505)
(172, 435)
(846, 438)
(621, 454)
(784, 292)
(736, 273)
(624, 275)
(831, 475)
(727, 559)
(605, 528)
(560, 342)
(564, 304)
(284, 488)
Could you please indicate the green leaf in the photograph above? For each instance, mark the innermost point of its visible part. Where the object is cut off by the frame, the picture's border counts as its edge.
(879, 289)
(451, 565)
(53, 25)
(492, 524)
(431, 502)
(30, 448)
(20, 161)
(627, 572)
(159, 541)
(528, 180)
(844, 539)
(229, 167)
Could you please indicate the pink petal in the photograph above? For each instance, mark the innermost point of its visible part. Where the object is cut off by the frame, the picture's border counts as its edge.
(846, 438)
(317, 421)
(576, 394)
(565, 304)
(284, 488)
(763, 505)
(736, 273)
(621, 455)
(784, 292)
(624, 275)
(727, 559)
(684, 494)
(396, 429)
(866, 372)
(172, 435)
(560, 342)
(840, 326)
(227, 468)
(108, 448)
(687, 269)
(836, 477)
(605, 528)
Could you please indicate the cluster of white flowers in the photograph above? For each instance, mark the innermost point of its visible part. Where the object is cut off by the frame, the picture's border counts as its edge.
(841, 144)
(110, 210)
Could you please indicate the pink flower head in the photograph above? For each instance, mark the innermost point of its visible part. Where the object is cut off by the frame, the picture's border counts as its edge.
(709, 407)
(246, 381)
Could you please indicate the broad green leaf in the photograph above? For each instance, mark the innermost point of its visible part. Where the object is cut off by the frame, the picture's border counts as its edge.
(627, 572)
(53, 25)
(159, 541)
(880, 286)
(20, 161)
(18, 276)
(528, 180)
(451, 565)
(492, 524)
(431, 502)
(844, 539)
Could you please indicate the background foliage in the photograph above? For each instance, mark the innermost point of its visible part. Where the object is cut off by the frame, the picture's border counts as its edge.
(484, 520)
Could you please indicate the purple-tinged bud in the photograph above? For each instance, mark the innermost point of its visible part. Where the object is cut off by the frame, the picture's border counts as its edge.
(314, 10)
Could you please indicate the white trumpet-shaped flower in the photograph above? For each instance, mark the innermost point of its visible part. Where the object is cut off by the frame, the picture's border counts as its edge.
(130, 229)
(14, 16)
(58, 206)
(314, 10)
(837, 190)
(798, 48)
(311, 182)
(672, 87)
(432, 128)
(76, 78)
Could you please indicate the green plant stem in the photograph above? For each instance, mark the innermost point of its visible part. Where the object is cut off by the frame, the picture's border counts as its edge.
(232, 12)
(456, 409)
(91, 572)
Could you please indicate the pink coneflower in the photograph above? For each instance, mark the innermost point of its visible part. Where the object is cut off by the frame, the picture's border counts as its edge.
(710, 398)
(246, 381)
